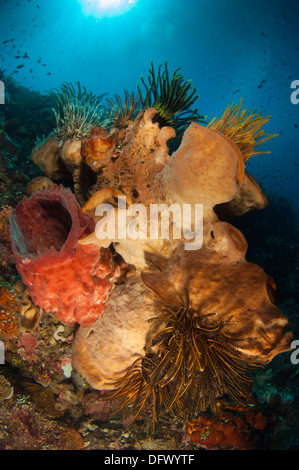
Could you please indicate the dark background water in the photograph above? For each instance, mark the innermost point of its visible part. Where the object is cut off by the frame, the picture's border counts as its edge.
(230, 49)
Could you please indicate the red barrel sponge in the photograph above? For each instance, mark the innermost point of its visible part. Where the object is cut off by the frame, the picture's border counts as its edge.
(70, 280)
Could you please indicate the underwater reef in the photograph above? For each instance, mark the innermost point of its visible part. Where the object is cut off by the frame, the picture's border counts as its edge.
(149, 341)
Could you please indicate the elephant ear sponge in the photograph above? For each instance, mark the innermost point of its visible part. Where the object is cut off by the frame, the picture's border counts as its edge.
(69, 280)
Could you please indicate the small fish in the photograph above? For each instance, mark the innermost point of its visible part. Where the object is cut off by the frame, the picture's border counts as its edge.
(261, 84)
(25, 56)
(39, 60)
(20, 66)
(37, 6)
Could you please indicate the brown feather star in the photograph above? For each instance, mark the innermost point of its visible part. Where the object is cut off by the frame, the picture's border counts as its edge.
(194, 363)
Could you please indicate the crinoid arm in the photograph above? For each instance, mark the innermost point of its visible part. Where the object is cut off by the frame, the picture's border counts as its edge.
(244, 127)
(76, 111)
(120, 112)
(173, 98)
(195, 364)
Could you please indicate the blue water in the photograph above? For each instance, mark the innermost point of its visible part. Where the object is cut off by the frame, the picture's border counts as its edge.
(230, 49)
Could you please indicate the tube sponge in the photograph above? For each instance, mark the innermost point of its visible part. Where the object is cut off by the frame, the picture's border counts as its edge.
(69, 280)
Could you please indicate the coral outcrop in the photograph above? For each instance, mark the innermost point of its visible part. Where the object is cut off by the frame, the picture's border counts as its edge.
(234, 427)
(9, 306)
(208, 168)
(7, 270)
(223, 288)
(143, 339)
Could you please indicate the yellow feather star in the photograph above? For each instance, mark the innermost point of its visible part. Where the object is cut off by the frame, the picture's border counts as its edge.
(244, 127)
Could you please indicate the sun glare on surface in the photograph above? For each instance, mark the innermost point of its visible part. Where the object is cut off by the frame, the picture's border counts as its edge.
(107, 8)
